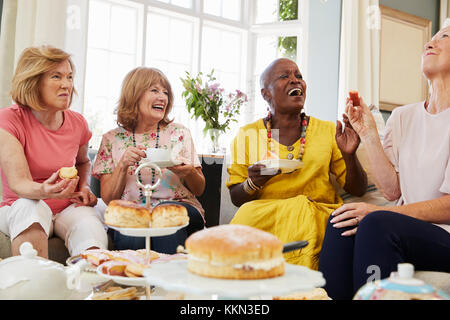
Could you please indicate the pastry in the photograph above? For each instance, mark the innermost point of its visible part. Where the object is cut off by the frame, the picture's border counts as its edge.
(127, 214)
(355, 97)
(169, 215)
(68, 173)
(96, 256)
(134, 270)
(114, 268)
(235, 252)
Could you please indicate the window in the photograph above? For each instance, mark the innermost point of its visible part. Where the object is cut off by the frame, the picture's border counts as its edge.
(276, 32)
(114, 48)
(179, 36)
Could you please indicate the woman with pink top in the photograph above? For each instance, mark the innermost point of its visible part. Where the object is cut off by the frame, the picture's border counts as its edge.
(412, 166)
(39, 135)
(143, 116)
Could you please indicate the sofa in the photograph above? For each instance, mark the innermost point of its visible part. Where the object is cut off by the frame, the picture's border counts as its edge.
(220, 210)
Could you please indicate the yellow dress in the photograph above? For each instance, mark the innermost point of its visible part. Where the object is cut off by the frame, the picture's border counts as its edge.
(294, 206)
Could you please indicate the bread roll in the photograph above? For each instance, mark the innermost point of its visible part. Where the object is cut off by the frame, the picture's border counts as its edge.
(127, 214)
(235, 252)
(68, 173)
(169, 215)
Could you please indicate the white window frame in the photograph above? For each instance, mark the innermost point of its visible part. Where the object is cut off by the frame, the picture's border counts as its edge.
(246, 25)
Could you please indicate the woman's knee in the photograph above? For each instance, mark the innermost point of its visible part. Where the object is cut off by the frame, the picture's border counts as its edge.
(379, 222)
(26, 215)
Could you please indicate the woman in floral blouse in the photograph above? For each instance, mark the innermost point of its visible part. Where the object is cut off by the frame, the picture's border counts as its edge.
(145, 103)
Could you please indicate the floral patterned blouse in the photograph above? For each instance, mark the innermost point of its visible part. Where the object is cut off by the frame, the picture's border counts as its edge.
(171, 188)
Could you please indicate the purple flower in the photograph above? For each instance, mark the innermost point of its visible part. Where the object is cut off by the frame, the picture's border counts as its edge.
(214, 87)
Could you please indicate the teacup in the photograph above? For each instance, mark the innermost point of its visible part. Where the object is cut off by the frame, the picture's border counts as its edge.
(155, 154)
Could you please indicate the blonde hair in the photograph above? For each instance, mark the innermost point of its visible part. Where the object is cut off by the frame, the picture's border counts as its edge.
(136, 82)
(32, 64)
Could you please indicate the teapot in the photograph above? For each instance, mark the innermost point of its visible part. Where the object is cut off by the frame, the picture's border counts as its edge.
(29, 277)
(400, 285)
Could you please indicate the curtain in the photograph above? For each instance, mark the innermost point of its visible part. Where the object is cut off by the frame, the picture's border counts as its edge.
(360, 51)
(27, 23)
(445, 13)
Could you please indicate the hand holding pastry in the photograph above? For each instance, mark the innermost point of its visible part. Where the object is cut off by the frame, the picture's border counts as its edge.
(55, 188)
(68, 173)
(361, 119)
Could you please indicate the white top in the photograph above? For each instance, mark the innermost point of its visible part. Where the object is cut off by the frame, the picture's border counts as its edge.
(418, 145)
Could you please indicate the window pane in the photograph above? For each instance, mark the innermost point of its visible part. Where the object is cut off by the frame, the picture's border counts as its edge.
(170, 48)
(157, 37)
(97, 73)
(98, 24)
(183, 3)
(108, 59)
(232, 9)
(288, 10)
(266, 11)
(228, 9)
(213, 7)
(222, 52)
(123, 63)
(124, 29)
(181, 33)
(287, 47)
(276, 10)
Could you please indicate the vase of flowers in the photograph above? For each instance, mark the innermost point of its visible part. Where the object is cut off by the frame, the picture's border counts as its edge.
(206, 99)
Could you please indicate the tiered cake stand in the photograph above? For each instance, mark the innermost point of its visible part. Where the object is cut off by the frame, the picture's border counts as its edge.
(143, 232)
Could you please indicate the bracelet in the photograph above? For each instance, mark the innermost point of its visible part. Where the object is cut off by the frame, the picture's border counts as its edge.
(252, 184)
(247, 188)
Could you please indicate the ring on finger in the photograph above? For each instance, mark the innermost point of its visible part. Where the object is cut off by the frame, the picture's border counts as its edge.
(357, 220)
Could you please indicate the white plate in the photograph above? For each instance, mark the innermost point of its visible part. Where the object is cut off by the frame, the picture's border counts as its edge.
(286, 166)
(126, 281)
(148, 232)
(174, 276)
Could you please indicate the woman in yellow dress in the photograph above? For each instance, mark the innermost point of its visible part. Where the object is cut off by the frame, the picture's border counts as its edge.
(293, 206)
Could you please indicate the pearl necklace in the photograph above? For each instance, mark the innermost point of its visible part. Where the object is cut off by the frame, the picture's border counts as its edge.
(141, 194)
(303, 127)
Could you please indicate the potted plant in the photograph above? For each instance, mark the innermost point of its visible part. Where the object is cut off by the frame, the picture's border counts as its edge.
(207, 100)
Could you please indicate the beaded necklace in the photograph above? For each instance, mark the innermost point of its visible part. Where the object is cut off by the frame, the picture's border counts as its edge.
(141, 194)
(303, 126)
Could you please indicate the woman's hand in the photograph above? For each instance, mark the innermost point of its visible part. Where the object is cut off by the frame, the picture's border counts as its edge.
(192, 176)
(84, 197)
(63, 189)
(361, 118)
(347, 140)
(351, 214)
(182, 170)
(255, 174)
(132, 156)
